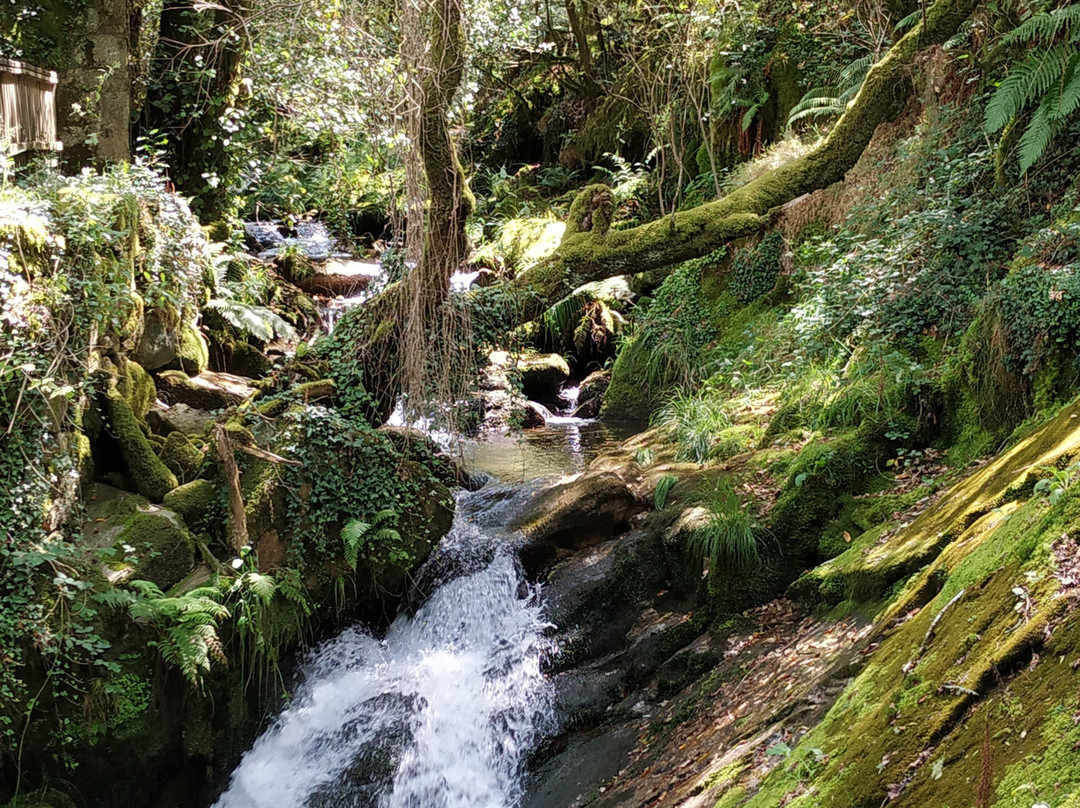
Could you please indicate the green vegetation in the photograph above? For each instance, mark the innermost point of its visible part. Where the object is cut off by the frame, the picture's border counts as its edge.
(729, 535)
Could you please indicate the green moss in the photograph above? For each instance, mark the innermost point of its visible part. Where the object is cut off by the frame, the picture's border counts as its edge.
(181, 457)
(524, 242)
(152, 478)
(162, 549)
(192, 501)
(630, 394)
(136, 386)
(192, 352)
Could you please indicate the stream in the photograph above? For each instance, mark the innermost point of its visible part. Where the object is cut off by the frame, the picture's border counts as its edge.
(442, 711)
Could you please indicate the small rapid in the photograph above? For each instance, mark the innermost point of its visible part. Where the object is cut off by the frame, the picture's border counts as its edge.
(438, 714)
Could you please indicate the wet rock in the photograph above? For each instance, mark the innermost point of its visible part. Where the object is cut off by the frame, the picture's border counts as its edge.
(572, 777)
(577, 513)
(591, 394)
(595, 596)
(532, 415)
(263, 235)
(543, 375)
(381, 735)
(207, 391)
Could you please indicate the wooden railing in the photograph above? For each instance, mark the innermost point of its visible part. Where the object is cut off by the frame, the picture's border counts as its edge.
(27, 109)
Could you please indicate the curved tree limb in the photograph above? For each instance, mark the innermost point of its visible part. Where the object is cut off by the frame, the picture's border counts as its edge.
(590, 252)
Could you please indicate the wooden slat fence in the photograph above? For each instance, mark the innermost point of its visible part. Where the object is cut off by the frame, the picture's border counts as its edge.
(27, 108)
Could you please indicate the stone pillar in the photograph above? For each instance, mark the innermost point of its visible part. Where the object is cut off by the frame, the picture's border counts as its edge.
(94, 97)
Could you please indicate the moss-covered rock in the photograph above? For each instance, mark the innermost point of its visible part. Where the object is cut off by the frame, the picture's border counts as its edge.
(136, 540)
(182, 457)
(542, 375)
(136, 386)
(192, 501)
(192, 352)
(151, 477)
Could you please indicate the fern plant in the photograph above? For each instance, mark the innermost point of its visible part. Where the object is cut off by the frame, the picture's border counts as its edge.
(1046, 81)
(358, 535)
(831, 101)
(186, 624)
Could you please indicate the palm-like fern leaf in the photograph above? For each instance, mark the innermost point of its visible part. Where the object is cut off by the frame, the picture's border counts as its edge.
(258, 321)
(1025, 84)
(1047, 79)
(1045, 26)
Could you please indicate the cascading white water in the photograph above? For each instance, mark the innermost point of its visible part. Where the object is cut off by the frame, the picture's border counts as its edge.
(437, 715)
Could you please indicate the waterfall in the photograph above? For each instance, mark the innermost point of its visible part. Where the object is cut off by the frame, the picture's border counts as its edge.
(438, 714)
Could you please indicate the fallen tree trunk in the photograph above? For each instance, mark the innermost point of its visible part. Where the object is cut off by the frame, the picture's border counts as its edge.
(590, 251)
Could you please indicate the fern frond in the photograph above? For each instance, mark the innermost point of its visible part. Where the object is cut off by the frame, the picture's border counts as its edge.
(909, 20)
(262, 586)
(258, 321)
(352, 536)
(385, 515)
(1035, 139)
(388, 534)
(1068, 101)
(1045, 26)
(1025, 83)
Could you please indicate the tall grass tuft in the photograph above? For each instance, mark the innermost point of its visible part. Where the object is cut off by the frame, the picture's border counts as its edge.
(729, 535)
(692, 422)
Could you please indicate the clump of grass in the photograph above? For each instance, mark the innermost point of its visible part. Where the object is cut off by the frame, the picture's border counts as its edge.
(663, 488)
(692, 422)
(729, 535)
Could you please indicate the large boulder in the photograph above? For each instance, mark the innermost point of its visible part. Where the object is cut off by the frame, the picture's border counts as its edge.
(542, 375)
(192, 351)
(164, 419)
(573, 514)
(136, 540)
(157, 345)
(207, 391)
(192, 501)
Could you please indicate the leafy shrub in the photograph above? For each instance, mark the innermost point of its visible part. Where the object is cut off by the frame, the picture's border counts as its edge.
(754, 270)
(677, 326)
(1038, 302)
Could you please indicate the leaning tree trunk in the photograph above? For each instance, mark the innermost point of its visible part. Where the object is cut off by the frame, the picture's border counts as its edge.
(589, 251)
(451, 202)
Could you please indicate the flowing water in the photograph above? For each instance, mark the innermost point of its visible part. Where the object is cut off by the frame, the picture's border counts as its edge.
(437, 714)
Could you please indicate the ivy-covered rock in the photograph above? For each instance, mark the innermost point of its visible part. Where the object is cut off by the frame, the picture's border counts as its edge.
(754, 270)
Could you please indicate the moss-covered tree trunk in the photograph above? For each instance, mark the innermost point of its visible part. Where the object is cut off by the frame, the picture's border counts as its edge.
(589, 251)
(199, 59)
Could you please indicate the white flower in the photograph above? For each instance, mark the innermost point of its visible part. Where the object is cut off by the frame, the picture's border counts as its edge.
(237, 563)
